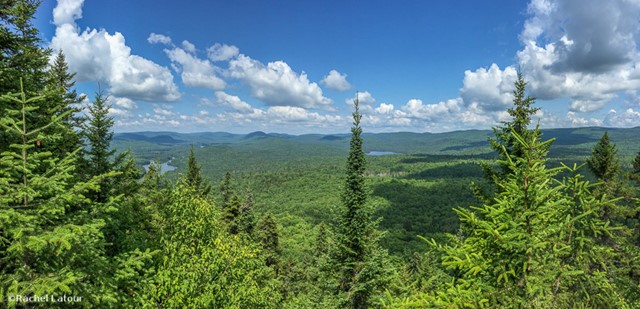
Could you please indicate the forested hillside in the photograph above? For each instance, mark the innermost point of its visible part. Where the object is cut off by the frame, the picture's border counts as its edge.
(515, 217)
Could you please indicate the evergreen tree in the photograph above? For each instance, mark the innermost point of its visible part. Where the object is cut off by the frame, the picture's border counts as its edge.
(230, 205)
(152, 195)
(63, 98)
(270, 240)
(533, 245)
(231, 214)
(636, 164)
(603, 162)
(226, 190)
(504, 142)
(50, 236)
(322, 241)
(360, 259)
(625, 265)
(128, 181)
(22, 55)
(247, 221)
(22, 58)
(98, 134)
(323, 277)
(194, 178)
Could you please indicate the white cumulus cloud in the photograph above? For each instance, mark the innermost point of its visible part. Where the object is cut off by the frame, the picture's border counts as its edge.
(195, 72)
(155, 38)
(628, 118)
(276, 84)
(232, 101)
(125, 103)
(385, 108)
(222, 52)
(491, 89)
(96, 55)
(188, 46)
(583, 50)
(416, 109)
(364, 98)
(298, 114)
(336, 81)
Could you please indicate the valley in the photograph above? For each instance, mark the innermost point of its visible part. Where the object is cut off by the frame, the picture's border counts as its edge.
(415, 179)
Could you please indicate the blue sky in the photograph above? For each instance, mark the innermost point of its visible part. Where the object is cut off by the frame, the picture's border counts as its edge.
(295, 66)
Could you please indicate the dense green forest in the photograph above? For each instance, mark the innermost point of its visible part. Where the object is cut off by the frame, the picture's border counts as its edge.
(527, 218)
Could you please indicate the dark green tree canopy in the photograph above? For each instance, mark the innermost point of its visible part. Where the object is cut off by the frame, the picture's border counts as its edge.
(99, 135)
(270, 239)
(603, 162)
(359, 257)
(636, 164)
(194, 177)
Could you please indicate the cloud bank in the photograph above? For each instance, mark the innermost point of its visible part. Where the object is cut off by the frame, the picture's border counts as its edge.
(96, 55)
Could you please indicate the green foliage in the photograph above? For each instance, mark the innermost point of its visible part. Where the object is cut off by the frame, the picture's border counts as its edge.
(79, 220)
(63, 98)
(269, 237)
(505, 143)
(194, 179)
(534, 245)
(52, 242)
(22, 58)
(247, 220)
(98, 134)
(603, 162)
(355, 224)
(202, 265)
(362, 264)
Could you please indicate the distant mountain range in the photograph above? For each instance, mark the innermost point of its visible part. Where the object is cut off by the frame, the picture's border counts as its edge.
(403, 142)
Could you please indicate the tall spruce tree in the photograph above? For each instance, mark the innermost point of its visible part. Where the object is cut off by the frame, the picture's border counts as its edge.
(194, 178)
(636, 164)
(622, 214)
(247, 220)
(22, 57)
(226, 190)
(270, 240)
(603, 162)
(231, 214)
(63, 97)
(635, 169)
(504, 142)
(98, 134)
(360, 258)
(230, 205)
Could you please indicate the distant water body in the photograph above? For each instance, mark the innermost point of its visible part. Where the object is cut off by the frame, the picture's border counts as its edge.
(164, 167)
(381, 153)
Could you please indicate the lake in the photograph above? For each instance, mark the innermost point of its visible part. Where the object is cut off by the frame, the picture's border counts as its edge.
(164, 167)
(381, 153)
